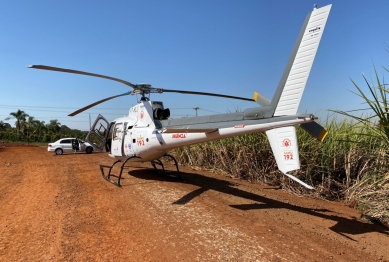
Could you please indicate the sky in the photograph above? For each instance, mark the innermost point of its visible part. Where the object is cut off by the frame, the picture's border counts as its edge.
(220, 46)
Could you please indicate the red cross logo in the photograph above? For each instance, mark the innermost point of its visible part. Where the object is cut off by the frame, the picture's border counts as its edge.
(286, 142)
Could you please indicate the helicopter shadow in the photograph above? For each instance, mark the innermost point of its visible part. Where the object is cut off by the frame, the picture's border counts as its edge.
(343, 225)
(114, 176)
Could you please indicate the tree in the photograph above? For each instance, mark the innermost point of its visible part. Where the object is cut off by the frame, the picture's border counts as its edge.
(30, 125)
(64, 130)
(54, 126)
(4, 126)
(20, 117)
(40, 128)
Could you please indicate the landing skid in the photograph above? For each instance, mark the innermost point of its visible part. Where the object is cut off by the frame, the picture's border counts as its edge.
(162, 170)
(108, 177)
(123, 166)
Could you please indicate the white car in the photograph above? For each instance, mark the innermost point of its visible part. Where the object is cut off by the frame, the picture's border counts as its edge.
(68, 145)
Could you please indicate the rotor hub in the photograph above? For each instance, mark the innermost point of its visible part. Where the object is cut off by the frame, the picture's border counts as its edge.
(144, 89)
(143, 86)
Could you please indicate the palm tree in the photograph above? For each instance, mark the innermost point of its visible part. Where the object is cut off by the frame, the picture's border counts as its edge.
(20, 117)
(54, 126)
(30, 125)
(40, 128)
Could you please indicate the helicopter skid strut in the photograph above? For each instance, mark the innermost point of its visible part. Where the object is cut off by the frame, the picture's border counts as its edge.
(162, 171)
(123, 166)
(108, 177)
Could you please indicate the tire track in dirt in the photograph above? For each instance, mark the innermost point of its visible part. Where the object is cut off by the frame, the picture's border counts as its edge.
(291, 227)
(59, 208)
(202, 232)
(23, 221)
(99, 221)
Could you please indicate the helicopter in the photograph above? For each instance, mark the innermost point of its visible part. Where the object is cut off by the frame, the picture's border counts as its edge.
(148, 132)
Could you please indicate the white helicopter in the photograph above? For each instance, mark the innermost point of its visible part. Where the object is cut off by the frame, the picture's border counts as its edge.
(148, 132)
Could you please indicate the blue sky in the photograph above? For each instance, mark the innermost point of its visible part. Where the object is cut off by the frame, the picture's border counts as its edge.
(218, 46)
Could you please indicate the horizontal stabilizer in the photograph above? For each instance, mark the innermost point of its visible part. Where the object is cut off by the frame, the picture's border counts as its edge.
(298, 181)
(260, 99)
(178, 130)
(315, 130)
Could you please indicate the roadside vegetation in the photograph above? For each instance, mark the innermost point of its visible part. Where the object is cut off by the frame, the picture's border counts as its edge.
(350, 166)
(30, 130)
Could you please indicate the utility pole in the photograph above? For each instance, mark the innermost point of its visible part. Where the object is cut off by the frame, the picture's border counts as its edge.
(196, 108)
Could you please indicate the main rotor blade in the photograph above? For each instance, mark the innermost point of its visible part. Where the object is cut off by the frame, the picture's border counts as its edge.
(206, 94)
(96, 103)
(80, 73)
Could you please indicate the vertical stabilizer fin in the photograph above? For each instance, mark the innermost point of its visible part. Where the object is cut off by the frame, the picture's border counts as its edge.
(283, 142)
(292, 84)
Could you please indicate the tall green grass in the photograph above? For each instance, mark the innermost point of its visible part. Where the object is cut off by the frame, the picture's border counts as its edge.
(348, 166)
(351, 165)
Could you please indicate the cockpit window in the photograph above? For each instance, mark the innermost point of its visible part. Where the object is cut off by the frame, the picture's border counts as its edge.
(117, 130)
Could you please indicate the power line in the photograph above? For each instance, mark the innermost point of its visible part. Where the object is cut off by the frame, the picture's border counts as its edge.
(196, 108)
(209, 110)
(57, 107)
(66, 112)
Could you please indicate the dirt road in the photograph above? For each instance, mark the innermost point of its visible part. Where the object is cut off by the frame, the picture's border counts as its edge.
(60, 208)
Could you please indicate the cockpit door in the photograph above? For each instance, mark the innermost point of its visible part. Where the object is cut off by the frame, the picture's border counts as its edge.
(118, 136)
(98, 133)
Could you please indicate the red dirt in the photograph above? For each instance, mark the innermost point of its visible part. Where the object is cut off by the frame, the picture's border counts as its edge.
(60, 208)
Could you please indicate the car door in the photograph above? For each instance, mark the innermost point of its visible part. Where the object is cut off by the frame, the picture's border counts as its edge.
(66, 145)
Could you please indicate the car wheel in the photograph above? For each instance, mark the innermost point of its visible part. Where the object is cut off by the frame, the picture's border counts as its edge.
(58, 151)
(89, 150)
